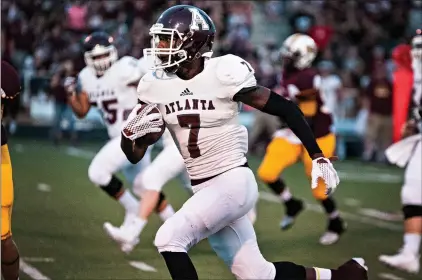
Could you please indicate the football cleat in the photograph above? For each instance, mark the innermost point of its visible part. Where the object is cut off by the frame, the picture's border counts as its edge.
(336, 227)
(403, 261)
(293, 208)
(122, 237)
(353, 269)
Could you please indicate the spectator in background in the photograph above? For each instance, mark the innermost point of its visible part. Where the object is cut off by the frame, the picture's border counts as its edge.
(321, 32)
(351, 119)
(330, 87)
(62, 109)
(379, 101)
(77, 16)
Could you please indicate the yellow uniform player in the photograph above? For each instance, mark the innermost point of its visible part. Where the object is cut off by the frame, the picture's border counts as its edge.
(10, 88)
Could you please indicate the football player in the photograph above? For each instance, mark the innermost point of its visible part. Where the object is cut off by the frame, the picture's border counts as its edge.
(300, 83)
(110, 84)
(10, 88)
(199, 97)
(408, 153)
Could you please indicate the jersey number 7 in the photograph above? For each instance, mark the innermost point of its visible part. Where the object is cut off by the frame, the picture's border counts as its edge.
(193, 122)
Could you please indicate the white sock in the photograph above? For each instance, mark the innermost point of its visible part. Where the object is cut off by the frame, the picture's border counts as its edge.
(412, 242)
(138, 225)
(166, 213)
(322, 273)
(129, 202)
(286, 195)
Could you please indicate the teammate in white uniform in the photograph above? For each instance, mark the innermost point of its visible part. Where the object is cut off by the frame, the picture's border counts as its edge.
(149, 183)
(199, 97)
(408, 153)
(110, 83)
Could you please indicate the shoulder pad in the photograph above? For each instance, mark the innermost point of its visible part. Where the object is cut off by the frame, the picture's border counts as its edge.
(143, 87)
(233, 70)
(144, 65)
(129, 69)
(85, 75)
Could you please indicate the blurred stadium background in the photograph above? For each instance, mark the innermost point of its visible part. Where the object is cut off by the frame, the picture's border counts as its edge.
(58, 213)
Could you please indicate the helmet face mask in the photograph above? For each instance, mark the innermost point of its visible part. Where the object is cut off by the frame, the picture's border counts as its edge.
(182, 34)
(100, 53)
(166, 47)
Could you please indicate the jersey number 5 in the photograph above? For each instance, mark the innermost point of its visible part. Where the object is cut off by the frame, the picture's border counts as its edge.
(193, 122)
(111, 117)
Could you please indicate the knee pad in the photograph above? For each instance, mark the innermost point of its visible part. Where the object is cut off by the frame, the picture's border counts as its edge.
(98, 175)
(248, 263)
(114, 187)
(411, 211)
(161, 200)
(174, 235)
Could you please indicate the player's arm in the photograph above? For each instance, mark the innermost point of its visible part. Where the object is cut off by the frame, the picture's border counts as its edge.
(309, 92)
(136, 127)
(78, 99)
(133, 70)
(238, 78)
(133, 152)
(271, 103)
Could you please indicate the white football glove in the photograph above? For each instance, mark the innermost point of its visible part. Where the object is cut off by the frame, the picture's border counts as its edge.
(140, 123)
(324, 169)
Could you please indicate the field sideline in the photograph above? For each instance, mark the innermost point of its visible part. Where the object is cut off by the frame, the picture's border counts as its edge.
(58, 217)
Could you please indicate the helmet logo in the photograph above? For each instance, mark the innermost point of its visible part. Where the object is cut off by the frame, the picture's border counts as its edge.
(198, 19)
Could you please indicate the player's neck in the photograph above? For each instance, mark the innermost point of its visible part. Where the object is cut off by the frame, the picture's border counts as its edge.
(190, 70)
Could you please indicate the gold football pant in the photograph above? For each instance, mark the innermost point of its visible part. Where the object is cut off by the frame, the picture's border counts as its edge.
(281, 154)
(6, 193)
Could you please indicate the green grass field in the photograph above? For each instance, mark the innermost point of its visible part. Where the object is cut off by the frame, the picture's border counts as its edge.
(58, 217)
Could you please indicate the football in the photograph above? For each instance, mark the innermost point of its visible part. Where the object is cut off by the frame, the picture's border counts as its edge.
(150, 138)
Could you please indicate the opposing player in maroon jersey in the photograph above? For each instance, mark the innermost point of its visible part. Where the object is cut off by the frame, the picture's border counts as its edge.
(301, 83)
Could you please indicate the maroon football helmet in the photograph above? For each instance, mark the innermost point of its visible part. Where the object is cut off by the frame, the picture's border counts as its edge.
(181, 33)
(10, 84)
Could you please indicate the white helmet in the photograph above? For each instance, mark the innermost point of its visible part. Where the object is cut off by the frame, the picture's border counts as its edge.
(100, 53)
(301, 49)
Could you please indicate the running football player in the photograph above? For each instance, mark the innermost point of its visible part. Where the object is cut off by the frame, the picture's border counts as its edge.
(300, 83)
(198, 97)
(408, 153)
(110, 84)
(10, 88)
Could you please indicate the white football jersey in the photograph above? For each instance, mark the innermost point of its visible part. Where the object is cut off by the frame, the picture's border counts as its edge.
(201, 114)
(112, 93)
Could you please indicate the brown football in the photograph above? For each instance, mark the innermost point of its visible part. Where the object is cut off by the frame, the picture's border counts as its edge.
(150, 138)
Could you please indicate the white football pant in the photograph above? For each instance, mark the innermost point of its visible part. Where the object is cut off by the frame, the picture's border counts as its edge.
(411, 192)
(166, 165)
(217, 210)
(110, 159)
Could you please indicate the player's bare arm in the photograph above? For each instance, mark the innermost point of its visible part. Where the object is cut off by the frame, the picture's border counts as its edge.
(133, 152)
(271, 103)
(78, 99)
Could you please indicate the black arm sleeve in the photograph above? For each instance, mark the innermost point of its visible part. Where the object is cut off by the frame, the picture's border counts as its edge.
(293, 116)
